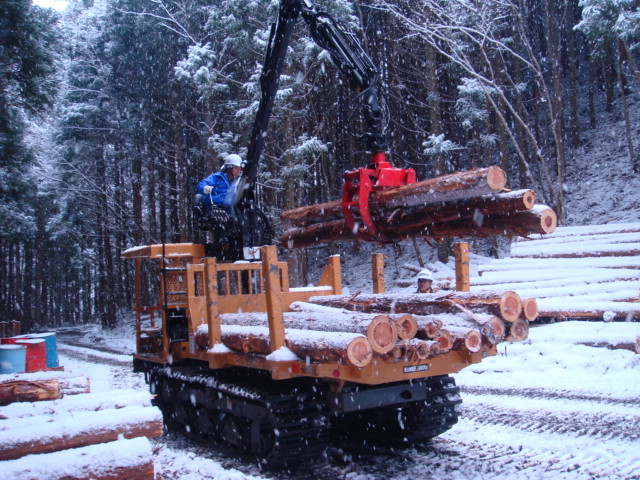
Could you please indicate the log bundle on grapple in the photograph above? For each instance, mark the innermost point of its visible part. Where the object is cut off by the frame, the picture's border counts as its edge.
(471, 203)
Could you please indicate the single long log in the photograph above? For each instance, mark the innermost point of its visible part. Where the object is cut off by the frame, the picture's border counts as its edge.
(28, 391)
(118, 460)
(344, 347)
(46, 411)
(79, 430)
(507, 305)
(70, 384)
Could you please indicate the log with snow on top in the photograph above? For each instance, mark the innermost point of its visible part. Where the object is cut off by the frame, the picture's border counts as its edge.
(78, 429)
(449, 187)
(28, 391)
(124, 459)
(584, 307)
(70, 383)
(507, 305)
(326, 347)
(551, 275)
(578, 250)
(381, 330)
(46, 411)
(451, 205)
(511, 264)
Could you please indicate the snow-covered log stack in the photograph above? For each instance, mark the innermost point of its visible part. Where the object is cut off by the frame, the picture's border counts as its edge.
(590, 271)
(353, 330)
(99, 435)
(452, 320)
(459, 204)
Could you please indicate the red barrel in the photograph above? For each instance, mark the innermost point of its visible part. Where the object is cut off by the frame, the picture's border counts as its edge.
(36, 353)
(13, 340)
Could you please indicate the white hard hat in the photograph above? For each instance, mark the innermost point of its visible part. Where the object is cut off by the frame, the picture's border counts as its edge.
(233, 160)
(425, 275)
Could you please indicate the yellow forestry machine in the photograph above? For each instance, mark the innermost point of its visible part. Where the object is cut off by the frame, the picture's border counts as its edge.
(214, 341)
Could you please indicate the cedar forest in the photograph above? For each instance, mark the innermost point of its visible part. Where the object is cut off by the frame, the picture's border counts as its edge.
(111, 111)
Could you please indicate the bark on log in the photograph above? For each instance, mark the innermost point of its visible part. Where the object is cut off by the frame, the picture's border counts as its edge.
(449, 187)
(134, 462)
(29, 391)
(344, 347)
(85, 428)
(379, 329)
(507, 305)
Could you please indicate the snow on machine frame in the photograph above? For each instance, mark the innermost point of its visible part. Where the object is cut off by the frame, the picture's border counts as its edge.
(250, 384)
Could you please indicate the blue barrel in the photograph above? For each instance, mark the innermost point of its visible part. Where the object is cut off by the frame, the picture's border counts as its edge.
(51, 347)
(13, 358)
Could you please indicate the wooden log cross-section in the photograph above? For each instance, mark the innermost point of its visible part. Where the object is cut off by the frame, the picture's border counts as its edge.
(458, 204)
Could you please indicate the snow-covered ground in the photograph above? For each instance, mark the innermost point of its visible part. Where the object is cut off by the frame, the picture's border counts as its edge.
(554, 406)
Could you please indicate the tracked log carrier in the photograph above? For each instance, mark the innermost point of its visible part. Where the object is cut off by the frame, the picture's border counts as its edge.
(242, 360)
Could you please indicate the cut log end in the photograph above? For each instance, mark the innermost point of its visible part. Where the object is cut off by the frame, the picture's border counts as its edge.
(518, 331)
(359, 352)
(529, 199)
(530, 309)
(496, 178)
(407, 327)
(548, 220)
(473, 341)
(445, 339)
(510, 306)
(382, 333)
(494, 330)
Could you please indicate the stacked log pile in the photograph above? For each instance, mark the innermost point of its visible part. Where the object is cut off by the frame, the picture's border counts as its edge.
(92, 435)
(589, 272)
(355, 329)
(456, 205)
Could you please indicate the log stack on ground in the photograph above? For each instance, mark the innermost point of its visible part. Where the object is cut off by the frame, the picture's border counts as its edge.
(99, 435)
(459, 204)
(577, 272)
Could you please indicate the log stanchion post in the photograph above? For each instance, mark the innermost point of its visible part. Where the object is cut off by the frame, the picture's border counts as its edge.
(377, 271)
(461, 254)
(271, 274)
(332, 275)
(211, 292)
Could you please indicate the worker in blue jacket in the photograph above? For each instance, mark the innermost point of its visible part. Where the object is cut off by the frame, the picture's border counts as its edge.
(214, 188)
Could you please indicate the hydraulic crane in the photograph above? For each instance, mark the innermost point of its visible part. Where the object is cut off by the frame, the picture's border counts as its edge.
(351, 59)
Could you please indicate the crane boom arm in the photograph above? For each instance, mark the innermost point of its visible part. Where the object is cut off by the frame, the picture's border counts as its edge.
(348, 55)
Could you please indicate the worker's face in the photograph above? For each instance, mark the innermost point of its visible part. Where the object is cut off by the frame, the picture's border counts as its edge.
(235, 172)
(424, 285)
